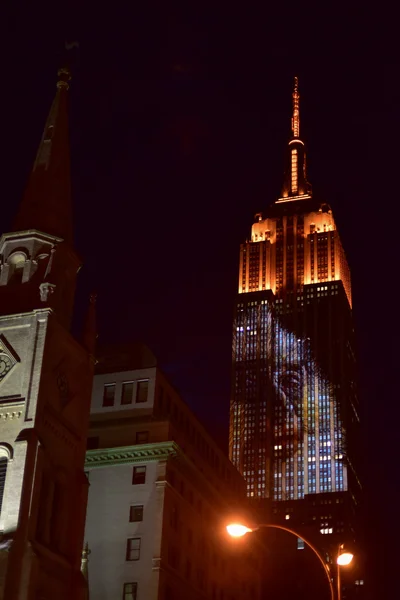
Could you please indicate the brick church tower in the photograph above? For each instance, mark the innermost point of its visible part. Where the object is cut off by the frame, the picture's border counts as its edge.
(45, 382)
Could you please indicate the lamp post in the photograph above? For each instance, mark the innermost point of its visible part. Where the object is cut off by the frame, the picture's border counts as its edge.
(342, 558)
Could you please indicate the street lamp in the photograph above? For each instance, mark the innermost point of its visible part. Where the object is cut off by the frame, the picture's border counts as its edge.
(237, 529)
(343, 558)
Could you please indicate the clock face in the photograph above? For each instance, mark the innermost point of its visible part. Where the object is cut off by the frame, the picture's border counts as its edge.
(5, 365)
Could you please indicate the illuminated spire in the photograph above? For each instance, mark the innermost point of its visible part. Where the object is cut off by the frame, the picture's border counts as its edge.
(295, 183)
(46, 204)
(296, 110)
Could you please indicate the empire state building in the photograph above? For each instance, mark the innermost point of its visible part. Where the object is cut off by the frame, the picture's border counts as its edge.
(294, 417)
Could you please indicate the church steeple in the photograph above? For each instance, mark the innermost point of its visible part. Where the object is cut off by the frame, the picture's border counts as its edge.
(295, 182)
(46, 204)
(38, 253)
(46, 380)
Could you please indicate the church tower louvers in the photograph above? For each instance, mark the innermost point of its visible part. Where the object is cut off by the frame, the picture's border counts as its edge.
(45, 382)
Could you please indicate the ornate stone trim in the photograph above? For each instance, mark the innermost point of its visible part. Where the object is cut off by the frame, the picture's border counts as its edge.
(8, 416)
(8, 358)
(126, 455)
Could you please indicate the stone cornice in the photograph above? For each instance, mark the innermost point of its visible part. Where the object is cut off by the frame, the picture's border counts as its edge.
(29, 233)
(126, 455)
(29, 313)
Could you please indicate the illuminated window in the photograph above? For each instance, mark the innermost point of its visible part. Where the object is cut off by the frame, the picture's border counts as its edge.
(130, 591)
(109, 394)
(294, 172)
(300, 544)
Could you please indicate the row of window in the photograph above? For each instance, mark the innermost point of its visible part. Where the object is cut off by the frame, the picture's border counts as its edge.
(127, 392)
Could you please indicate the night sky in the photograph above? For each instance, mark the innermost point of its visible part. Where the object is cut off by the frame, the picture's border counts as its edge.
(179, 125)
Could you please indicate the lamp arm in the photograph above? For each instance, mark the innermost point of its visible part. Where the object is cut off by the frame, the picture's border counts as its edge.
(311, 546)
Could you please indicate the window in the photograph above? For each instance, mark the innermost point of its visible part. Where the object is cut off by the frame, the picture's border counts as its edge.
(3, 473)
(294, 180)
(136, 514)
(139, 475)
(300, 544)
(142, 437)
(141, 391)
(16, 267)
(127, 392)
(133, 549)
(130, 591)
(109, 394)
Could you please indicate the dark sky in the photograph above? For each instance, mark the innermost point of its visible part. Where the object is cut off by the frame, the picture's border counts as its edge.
(179, 122)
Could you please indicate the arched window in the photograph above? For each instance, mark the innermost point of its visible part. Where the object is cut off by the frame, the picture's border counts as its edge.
(16, 263)
(3, 473)
(5, 455)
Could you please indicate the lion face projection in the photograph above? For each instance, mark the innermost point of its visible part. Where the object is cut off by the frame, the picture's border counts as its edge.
(286, 416)
(306, 421)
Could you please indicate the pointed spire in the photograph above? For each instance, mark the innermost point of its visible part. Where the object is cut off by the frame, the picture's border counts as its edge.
(46, 204)
(295, 184)
(296, 109)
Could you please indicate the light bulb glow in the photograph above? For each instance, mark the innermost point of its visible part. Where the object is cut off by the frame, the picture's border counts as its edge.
(237, 530)
(345, 559)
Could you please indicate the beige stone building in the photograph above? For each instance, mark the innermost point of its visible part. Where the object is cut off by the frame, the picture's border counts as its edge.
(45, 383)
(161, 491)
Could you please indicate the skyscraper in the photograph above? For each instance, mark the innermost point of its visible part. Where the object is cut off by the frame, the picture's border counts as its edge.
(45, 382)
(294, 421)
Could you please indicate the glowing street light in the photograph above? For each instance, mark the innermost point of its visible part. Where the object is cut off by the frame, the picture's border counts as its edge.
(237, 529)
(344, 559)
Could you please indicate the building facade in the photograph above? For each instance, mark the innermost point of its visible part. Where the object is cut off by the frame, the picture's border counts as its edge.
(294, 420)
(45, 383)
(160, 493)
